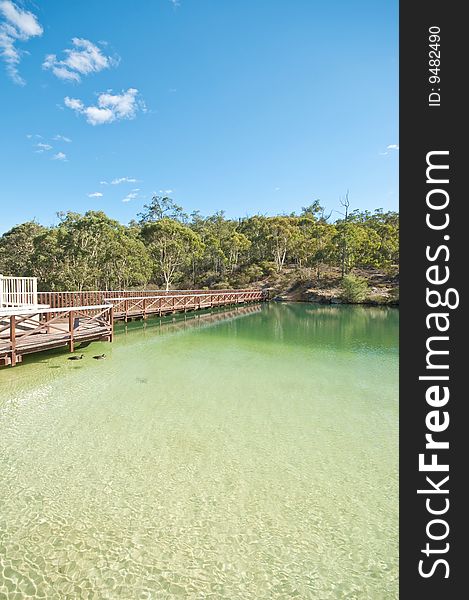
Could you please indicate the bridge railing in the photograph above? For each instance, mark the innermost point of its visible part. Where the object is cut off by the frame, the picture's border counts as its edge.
(125, 306)
(89, 297)
(18, 291)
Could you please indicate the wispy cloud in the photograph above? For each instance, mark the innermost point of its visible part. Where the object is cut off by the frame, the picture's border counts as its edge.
(389, 147)
(60, 156)
(131, 195)
(62, 138)
(166, 192)
(17, 26)
(42, 147)
(95, 195)
(84, 58)
(123, 180)
(110, 107)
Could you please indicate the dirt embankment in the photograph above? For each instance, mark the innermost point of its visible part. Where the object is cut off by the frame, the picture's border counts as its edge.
(293, 285)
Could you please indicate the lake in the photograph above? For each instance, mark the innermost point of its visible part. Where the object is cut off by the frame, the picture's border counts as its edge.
(242, 454)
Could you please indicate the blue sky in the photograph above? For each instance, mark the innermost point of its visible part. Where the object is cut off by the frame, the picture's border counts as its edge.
(247, 106)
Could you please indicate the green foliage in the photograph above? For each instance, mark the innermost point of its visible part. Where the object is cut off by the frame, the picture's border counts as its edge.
(17, 249)
(171, 246)
(89, 251)
(167, 247)
(353, 289)
(162, 207)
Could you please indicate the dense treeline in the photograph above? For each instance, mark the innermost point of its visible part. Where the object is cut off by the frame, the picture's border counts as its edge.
(169, 248)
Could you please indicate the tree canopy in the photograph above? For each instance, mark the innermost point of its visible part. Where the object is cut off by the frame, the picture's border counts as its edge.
(166, 247)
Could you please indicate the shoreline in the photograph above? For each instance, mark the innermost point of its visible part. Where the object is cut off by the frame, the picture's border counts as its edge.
(376, 287)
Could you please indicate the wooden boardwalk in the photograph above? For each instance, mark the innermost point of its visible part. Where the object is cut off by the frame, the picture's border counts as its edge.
(127, 308)
(34, 330)
(91, 297)
(25, 330)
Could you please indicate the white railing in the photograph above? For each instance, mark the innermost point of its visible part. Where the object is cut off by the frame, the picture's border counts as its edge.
(18, 291)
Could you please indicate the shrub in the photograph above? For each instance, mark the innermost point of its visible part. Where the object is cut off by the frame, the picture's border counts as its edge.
(221, 285)
(268, 267)
(353, 289)
(395, 295)
(253, 272)
(303, 274)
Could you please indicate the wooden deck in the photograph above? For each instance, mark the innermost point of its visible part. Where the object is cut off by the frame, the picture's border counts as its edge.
(25, 330)
(35, 330)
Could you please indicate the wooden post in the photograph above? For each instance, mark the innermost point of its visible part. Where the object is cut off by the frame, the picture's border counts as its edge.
(13, 339)
(144, 307)
(126, 308)
(71, 331)
(34, 290)
(111, 318)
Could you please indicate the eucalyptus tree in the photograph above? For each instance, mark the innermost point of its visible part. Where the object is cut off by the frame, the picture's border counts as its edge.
(17, 249)
(90, 251)
(171, 246)
(161, 207)
(281, 237)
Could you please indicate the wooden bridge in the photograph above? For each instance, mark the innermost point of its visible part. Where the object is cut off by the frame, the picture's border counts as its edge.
(127, 308)
(59, 319)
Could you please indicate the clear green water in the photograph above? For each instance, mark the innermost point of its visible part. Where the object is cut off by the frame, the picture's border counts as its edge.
(250, 458)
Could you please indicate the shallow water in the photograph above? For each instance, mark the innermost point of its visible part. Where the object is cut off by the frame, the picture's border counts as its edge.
(247, 454)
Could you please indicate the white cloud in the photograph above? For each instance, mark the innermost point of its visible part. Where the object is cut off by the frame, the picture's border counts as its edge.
(42, 147)
(389, 147)
(95, 195)
(123, 180)
(60, 156)
(62, 138)
(131, 195)
(110, 107)
(84, 58)
(74, 104)
(18, 25)
(103, 183)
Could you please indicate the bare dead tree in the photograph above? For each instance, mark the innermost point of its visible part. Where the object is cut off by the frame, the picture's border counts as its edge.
(345, 202)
